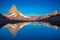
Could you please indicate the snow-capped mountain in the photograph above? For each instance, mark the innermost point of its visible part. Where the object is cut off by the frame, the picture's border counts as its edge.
(14, 14)
(48, 15)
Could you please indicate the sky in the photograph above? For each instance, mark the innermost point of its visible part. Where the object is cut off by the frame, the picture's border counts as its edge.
(30, 7)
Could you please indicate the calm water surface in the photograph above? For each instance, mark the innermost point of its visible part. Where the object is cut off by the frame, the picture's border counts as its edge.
(29, 31)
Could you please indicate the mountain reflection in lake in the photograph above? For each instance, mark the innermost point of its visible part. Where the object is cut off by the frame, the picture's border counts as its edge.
(40, 27)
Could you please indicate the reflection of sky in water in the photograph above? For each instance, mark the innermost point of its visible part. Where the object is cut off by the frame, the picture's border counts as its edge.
(31, 32)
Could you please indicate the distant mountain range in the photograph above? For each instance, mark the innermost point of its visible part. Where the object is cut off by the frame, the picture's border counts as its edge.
(49, 17)
(14, 16)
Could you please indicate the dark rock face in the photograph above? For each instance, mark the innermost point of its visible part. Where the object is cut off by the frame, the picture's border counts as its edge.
(3, 20)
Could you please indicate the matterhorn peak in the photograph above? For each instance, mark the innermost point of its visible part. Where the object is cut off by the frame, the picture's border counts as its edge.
(14, 13)
(13, 9)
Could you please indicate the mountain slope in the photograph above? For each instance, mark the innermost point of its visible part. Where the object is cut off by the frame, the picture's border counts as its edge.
(54, 16)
